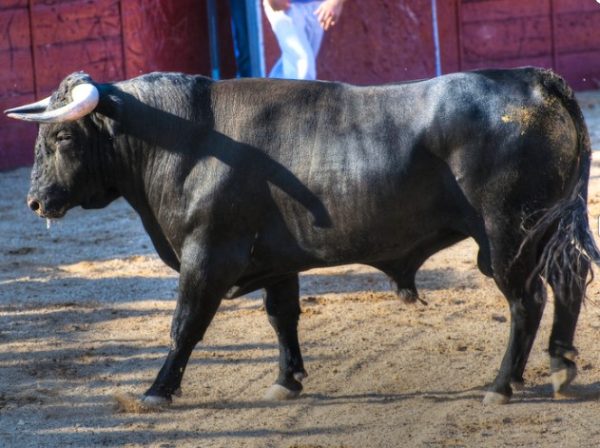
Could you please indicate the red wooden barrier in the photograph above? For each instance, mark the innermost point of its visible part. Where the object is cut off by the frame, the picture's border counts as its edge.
(376, 41)
(45, 40)
(16, 81)
(391, 40)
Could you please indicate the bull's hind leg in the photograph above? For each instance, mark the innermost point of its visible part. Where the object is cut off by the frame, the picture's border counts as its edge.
(283, 308)
(526, 301)
(568, 296)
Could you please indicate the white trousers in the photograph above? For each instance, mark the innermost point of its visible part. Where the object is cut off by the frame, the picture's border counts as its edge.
(299, 35)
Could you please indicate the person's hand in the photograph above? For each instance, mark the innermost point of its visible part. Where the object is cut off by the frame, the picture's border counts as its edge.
(279, 5)
(329, 12)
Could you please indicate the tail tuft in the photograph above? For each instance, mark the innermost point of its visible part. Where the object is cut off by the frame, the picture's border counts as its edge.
(570, 249)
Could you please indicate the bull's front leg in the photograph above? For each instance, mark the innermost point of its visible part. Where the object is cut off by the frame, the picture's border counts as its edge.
(207, 272)
(283, 308)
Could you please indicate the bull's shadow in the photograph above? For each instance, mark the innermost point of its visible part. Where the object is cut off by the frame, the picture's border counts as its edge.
(197, 139)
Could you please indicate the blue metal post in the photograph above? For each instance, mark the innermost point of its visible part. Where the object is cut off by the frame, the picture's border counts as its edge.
(254, 18)
(213, 39)
(436, 38)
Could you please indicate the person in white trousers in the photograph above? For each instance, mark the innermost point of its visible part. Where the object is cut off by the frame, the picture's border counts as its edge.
(298, 26)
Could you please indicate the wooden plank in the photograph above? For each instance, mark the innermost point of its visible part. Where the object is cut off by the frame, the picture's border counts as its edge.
(35, 3)
(448, 31)
(581, 70)
(506, 39)
(16, 73)
(576, 6)
(577, 32)
(14, 29)
(75, 21)
(18, 138)
(13, 4)
(489, 10)
(170, 36)
(369, 45)
(539, 61)
(101, 58)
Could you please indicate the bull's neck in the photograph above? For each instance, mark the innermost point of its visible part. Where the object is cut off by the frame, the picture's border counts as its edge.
(145, 170)
(153, 144)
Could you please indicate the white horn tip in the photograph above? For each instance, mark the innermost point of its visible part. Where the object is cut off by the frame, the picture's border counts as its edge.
(85, 99)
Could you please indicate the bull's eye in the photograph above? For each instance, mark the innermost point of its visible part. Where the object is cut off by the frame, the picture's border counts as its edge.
(62, 137)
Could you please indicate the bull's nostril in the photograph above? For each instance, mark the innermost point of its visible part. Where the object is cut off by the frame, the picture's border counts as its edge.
(34, 205)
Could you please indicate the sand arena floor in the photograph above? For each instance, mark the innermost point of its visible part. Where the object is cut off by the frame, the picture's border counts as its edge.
(85, 309)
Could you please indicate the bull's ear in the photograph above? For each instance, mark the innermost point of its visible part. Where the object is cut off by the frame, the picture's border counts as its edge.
(110, 104)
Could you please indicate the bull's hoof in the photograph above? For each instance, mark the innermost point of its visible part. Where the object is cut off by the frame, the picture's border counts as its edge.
(155, 401)
(279, 393)
(494, 398)
(407, 295)
(561, 380)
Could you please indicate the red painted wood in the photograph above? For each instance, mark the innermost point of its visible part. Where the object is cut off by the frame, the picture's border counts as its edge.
(12, 4)
(16, 83)
(163, 35)
(14, 24)
(172, 35)
(70, 22)
(492, 10)
(509, 33)
(375, 41)
(74, 36)
(487, 42)
(16, 144)
(375, 45)
(577, 32)
(101, 58)
(577, 6)
(390, 42)
(581, 69)
(16, 77)
(448, 32)
(16, 70)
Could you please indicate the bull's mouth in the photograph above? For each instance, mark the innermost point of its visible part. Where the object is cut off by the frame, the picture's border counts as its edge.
(52, 214)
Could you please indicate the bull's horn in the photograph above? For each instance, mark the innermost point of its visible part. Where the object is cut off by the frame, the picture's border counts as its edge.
(85, 100)
(38, 106)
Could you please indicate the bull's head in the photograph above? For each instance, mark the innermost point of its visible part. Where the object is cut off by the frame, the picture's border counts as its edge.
(65, 173)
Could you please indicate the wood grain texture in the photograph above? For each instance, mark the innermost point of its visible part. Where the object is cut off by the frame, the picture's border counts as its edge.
(375, 42)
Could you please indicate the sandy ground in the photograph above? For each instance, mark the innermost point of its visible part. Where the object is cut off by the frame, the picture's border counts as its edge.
(85, 309)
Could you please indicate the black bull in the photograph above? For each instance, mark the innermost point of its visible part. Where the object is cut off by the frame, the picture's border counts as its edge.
(242, 184)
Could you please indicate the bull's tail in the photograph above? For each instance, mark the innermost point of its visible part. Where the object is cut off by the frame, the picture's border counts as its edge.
(568, 248)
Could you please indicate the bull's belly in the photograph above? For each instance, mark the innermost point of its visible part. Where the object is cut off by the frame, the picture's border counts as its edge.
(395, 250)
(391, 239)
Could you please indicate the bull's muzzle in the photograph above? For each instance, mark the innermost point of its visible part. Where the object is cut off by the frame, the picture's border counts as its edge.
(38, 207)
